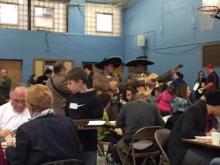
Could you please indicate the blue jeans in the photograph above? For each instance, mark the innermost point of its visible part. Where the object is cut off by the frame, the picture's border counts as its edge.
(89, 158)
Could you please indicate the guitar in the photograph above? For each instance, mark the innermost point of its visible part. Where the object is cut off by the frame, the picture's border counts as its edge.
(148, 83)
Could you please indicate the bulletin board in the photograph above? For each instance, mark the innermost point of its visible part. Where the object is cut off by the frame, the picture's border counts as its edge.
(211, 54)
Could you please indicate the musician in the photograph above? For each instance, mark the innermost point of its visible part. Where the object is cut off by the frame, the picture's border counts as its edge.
(139, 63)
(212, 79)
(107, 81)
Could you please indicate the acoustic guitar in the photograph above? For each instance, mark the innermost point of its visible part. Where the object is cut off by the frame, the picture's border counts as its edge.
(148, 83)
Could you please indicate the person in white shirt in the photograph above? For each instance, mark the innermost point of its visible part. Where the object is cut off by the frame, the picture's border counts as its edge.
(14, 113)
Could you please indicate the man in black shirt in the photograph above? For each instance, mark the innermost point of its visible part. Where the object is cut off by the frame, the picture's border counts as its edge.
(212, 79)
(83, 104)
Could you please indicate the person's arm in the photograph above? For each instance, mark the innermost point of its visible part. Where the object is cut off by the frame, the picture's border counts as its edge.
(120, 122)
(158, 98)
(19, 155)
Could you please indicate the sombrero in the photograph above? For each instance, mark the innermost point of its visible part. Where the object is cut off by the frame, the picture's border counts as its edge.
(142, 60)
(115, 60)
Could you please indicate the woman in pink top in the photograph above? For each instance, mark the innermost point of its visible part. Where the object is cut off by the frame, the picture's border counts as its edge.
(164, 99)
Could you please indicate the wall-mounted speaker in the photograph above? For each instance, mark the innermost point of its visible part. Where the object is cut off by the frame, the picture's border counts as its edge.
(141, 40)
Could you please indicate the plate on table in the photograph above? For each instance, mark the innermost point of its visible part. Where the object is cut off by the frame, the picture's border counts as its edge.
(96, 123)
(206, 139)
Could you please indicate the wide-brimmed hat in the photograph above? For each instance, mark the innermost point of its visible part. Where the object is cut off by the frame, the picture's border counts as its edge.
(142, 60)
(115, 60)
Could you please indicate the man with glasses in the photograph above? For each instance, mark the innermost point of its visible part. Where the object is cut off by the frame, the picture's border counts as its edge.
(14, 113)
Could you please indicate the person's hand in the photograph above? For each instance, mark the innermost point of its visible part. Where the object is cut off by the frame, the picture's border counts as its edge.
(10, 141)
(6, 132)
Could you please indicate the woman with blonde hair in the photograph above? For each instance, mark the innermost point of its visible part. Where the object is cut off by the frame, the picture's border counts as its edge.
(46, 137)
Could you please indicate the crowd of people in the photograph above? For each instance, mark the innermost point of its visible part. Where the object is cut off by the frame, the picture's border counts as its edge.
(43, 114)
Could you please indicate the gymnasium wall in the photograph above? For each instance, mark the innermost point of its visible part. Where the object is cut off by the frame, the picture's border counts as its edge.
(75, 45)
(173, 32)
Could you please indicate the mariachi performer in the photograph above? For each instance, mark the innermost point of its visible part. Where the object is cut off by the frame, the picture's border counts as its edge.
(106, 81)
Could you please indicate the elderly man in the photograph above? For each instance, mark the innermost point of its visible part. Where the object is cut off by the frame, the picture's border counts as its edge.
(197, 120)
(57, 84)
(5, 84)
(14, 113)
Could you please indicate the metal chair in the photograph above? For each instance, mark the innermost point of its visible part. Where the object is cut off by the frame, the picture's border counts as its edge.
(143, 145)
(162, 137)
(65, 162)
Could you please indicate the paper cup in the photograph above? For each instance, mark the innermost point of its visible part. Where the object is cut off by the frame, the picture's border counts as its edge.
(216, 138)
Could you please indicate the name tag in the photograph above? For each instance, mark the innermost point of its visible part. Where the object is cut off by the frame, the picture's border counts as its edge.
(73, 106)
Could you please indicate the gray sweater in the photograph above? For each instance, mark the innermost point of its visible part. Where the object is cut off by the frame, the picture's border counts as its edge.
(135, 115)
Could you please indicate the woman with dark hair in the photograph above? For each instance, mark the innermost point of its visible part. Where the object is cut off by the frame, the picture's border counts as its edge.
(180, 103)
(32, 80)
(128, 94)
(200, 83)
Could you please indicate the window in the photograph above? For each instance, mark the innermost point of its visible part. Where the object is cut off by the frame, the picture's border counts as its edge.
(5, 17)
(103, 22)
(102, 19)
(49, 15)
(43, 17)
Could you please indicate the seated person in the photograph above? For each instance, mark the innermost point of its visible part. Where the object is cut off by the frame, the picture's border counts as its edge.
(46, 137)
(133, 116)
(197, 120)
(14, 113)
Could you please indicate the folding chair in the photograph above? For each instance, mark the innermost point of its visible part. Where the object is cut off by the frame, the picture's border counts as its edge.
(162, 137)
(143, 145)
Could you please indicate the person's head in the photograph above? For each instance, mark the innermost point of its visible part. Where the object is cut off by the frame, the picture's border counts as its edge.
(201, 75)
(4, 72)
(76, 80)
(183, 91)
(129, 94)
(140, 97)
(210, 68)
(38, 98)
(178, 75)
(48, 72)
(139, 68)
(109, 68)
(87, 68)
(33, 77)
(171, 89)
(17, 97)
(212, 98)
(59, 68)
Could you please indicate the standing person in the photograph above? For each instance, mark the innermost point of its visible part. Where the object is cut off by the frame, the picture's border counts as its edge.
(178, 80)
(88, 69)
(107, 81)
(83, 104)
(200, 83)
(58, 85)
(46, 137)
(43, 78)
(32, 80)
(164, 100)
(140, 64)
(195, 121)
(212, 79)
(5, 83)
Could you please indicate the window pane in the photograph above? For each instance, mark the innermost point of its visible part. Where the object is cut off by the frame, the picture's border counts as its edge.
(43, 17)
(8, 14)
(103, 22)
